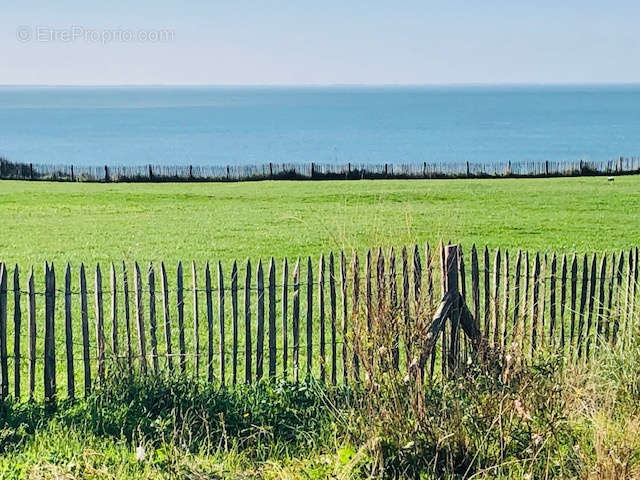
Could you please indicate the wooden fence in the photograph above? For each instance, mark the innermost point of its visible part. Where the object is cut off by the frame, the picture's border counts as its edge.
(314, 171)
(294, 321)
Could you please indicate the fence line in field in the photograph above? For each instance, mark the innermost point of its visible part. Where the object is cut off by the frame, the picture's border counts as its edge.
(314, 171)
(299, 320)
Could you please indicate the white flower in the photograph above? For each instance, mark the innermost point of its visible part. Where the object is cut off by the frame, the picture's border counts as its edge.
(141, 455)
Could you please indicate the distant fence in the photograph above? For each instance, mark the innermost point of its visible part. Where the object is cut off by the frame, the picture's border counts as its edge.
(313, 171)
(237, 324)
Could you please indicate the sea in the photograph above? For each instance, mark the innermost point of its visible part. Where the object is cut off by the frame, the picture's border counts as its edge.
(136, 125)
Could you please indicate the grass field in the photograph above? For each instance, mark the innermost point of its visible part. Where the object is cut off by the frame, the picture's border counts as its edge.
(588, 431)
(171, 222)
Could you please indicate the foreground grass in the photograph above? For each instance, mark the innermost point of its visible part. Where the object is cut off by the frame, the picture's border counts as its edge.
(538, 422)
(97, 222)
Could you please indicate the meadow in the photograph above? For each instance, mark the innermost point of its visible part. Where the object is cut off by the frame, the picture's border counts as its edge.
(218, 221)
(553, 422)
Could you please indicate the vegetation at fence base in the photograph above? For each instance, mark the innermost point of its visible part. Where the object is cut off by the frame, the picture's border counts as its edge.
(534, 423)
(198, 416)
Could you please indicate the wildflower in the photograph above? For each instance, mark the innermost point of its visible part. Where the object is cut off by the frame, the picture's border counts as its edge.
(141, 454)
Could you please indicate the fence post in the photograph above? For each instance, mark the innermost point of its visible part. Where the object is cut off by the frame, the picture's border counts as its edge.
(451, 285)
(313, 167)
(150, 173)
(106, 173)
(191, 172)
(468, 170)
(31, 170)
(72, 175)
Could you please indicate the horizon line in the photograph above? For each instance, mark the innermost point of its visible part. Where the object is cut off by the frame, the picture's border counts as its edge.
(320, 85)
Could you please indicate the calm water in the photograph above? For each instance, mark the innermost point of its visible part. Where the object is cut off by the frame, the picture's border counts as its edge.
(215, 125)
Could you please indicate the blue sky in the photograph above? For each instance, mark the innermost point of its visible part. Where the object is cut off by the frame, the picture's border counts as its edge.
(324, 42)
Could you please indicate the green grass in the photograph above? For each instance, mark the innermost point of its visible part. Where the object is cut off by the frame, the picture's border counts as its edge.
(100, 223)
(171, 222)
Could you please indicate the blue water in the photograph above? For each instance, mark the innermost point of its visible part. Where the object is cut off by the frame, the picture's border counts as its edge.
(216, 125)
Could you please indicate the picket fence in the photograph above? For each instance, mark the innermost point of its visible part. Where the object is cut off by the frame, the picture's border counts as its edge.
(298, 321)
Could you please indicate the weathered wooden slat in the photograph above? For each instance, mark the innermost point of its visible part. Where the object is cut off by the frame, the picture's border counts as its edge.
(506, 300)
(296, 321)
(443, 284)
(222, 346)
(153, 325)
(100, 344)
(626, 331)
(209, 300)
(309, 322)
(49, 336)
(196, 320)
(381, 291)
(84, 320)
(166, 316)
(234, 322)
(68, 333)
(417, 286)
(451, 285)
(592, 295)
(552, 301)
(496, 298)
(31, 311)
(180, 308)
(142, 339)
(114, 313)
(543, 299)
(272, 318)
(343, 285)
(601, 299)
(17, 332)
(616, 324)
(417, 279)
(573, 301)
(355, 311)
(608, 315)
(563, 299)
(463, 340)
(428, 258)
(487, 290)
(405, 308)
(475, 284)
(333, 304)
(323, 355)
(368, 294)
(4, 363)
(247, 326)
(260, 322)
(127, 314)
(634, 283)
(285, 322)
(393, 309)
(516, 334)
(526, 334)
(583, 305)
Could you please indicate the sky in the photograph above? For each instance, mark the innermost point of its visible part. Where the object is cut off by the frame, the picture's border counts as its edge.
(297, 42)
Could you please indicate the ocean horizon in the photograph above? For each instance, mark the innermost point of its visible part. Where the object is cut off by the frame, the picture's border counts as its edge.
(364, 124)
